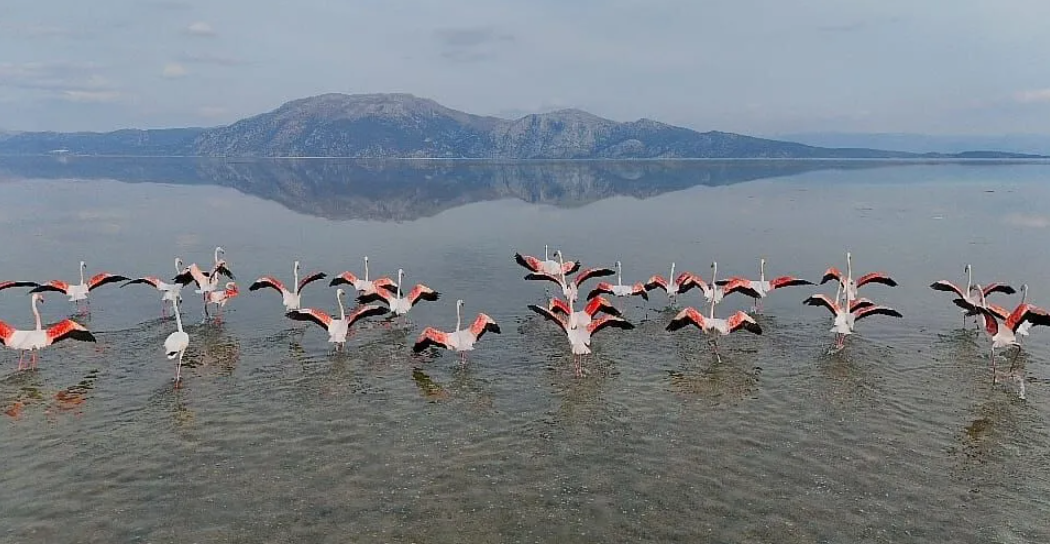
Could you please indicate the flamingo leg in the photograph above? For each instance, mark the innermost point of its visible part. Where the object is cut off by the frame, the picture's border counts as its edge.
(21, 355)
(178, 371)
(995, 377)
(1013, 360)
(33, 358)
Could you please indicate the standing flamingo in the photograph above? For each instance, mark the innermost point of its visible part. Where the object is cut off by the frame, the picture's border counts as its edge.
(570, 289)
(290, 299)
(619, 289)
(967, 296)
(759, 289)
(849, 285)
(460, 340)
(337, 328)
(363, 286)
(207, 282)
(580, 337)
(10, 284)
(677, 285)
(1002, 337)
(80, 291)
(844, 319)
(220, 298)
(39, 338)
(176, 343)
(547, 266)
(398, 304)
(169, 291)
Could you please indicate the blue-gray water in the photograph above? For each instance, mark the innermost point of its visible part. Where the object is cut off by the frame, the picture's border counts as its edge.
(901, 437)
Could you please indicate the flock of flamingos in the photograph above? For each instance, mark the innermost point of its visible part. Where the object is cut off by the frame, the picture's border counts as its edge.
(384, 295)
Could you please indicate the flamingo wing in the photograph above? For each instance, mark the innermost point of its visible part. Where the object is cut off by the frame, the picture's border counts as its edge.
(10, 284)
(151, 280)
(608, 321)
(831, 274)
(640, 290)
(221, 268)
(1027, 312)
(991, 326)
(823, 300)
(998, 311)
(570, 267)
(559, 305)
(588, 273)
(422, 292)
(68, 329)
(363, 312)
(688, 280)
(998, 288)
(656, 282)
(430, 337)
(53, 285)
(966, 305)
(788, 281)
(601, 304)
(530, 262)
(860, 303)
(876, 277)
(483, 323)
(6, 332)
(309, 314)
(741, 285)
(310, 279)
(542, 276)
(602, 287)
(347, 277)
(875, 310)
(103, 278)
(688, 316)
(551, 316)
(741, 320)
(945, 285)
(268, 281)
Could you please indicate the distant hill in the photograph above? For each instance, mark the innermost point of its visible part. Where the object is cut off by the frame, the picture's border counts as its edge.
(1036, 144)
(406, 126)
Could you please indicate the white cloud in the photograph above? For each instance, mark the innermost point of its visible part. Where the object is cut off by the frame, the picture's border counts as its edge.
(200, 28)
(1028, 221)
(1033, 96)
(91, 97)
(173, 70)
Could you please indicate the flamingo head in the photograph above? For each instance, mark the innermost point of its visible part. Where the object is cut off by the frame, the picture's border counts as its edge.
(340, 293)
(966, 269)
(617, 264)
(296, 266)
(83, 265)
(38, 297)
(459, 303)
(232, 290)
(178, 263)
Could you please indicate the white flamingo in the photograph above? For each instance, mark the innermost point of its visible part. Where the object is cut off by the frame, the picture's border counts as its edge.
(849, 284)
(363, 286)
(176, 343)
(570, 289)
(760, 288)
(398, 304)
(169, 291)
(39, 338)
(291, 299)
(79, 292)
(459, 340)
(580, 337)
(619, 289)
(547, 266)
(844, 319)
(338, 329)
(966, 295)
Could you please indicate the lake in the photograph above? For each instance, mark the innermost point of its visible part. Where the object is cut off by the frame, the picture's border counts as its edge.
(273, 437)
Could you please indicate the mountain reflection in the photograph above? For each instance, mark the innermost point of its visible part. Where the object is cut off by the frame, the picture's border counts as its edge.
(405, 190)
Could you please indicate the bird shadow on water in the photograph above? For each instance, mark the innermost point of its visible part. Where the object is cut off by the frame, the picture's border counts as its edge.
(728, 376)
(26, 389)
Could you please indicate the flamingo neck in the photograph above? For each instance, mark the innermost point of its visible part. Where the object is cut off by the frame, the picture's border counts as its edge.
(714, 273)
(366, 269)
(36, 314)
(82, 275)
(295, 278)
(458, 313)
(400, 276)
(1024, 293)
(849, 269)
(342, 311)
(178, 265)
(178, 318)
(619, 274)
(762, 270)
(969, 279)
(546, 257)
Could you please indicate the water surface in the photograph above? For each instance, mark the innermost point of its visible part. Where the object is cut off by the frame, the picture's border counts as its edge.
(899, 438)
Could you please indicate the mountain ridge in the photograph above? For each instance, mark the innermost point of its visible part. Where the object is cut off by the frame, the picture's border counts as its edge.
(402, 125)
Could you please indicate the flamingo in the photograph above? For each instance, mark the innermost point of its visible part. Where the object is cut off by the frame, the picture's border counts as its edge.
(619, 290)
(169, 291)
(759, 289)
(570, 289)
(580, 337)
(290, 299)
(714, 326)
(176, 343)
(207, 282)
(401, 305)
(966, 295)
(11, 284)
(1025, 326)
(1007, 336)
(337, 328)
(585, 316)
(677, 285)
(547, 265)
(40, 338)
(459, 340)
(717, 290)
(844, 320)
(220, 298)
(80, 291)
(363, 286)
(849, 284)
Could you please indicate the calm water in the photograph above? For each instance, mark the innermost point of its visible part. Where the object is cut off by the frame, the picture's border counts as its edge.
(273, 438)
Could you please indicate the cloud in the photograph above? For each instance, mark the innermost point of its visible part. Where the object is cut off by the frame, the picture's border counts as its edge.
(470, 44)
(214, 59)
(200, 28)
(1033, 96)
(173, 70)
(212, 111)
(54, 76)
(1027, 221)
(91, 97)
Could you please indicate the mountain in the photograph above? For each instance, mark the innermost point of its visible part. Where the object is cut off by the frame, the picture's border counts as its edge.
(1038, 144)
(406, 126)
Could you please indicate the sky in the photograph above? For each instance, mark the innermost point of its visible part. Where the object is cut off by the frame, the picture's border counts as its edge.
(748, 66)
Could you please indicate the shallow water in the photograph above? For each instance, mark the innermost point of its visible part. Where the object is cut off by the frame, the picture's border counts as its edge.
(274, 438)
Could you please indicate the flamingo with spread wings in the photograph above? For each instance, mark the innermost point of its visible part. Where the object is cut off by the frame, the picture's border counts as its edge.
(169, 291)
(585, 316)
(459, 340)
(547, 266)
(363, 286)
(570, 288)
(398, 304)
(39, 338)
(846, 313)
(339, 328)
(79, 292)
(619, 289)
(760, 288)
(292, 300)
(12, 284)
(673, 285)
(849, 284)
(966, 298)
(1006, 335)
(580, 337)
